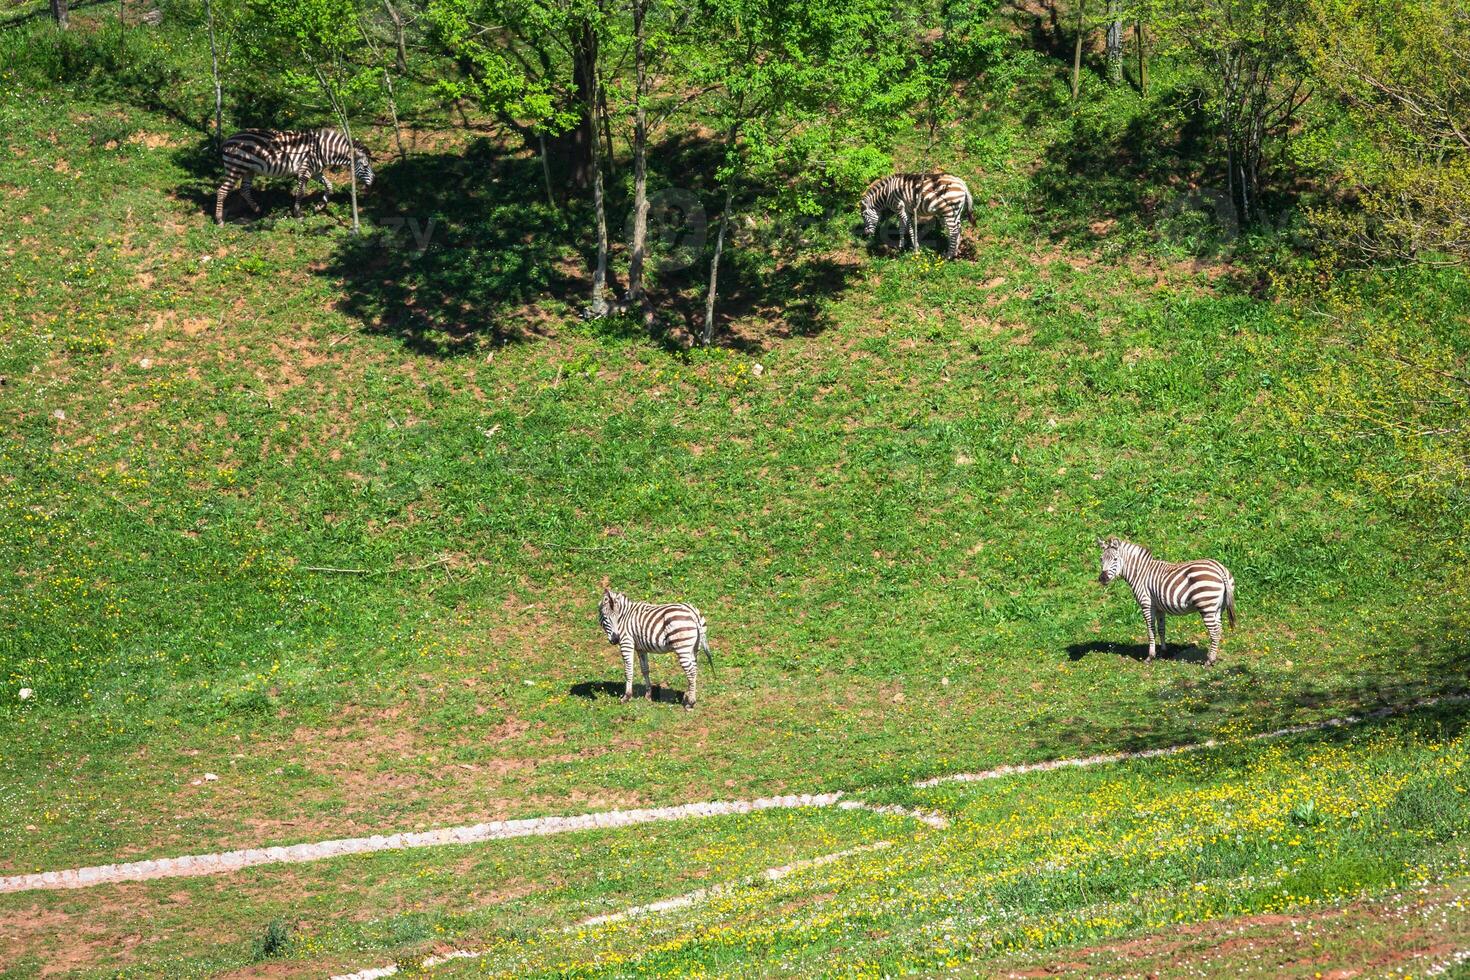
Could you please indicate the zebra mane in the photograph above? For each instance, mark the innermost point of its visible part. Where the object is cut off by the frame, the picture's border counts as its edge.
(873, 187)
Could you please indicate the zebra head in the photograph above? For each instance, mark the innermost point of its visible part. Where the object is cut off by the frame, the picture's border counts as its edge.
(362, 164)
(608, 609)
(1118, 556)
(869, 208)
(1112, 559)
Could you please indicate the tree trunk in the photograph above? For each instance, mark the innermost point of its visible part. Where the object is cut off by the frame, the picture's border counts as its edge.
(714, 266)
(400, 62)
(639, 244)
(341, 114)
(219, 115)
(1141, 40)
(1077, 49)
(60, 13)
(393, 109)
(1115, 44)
(546, 169)
(575, 146)
(599, 273)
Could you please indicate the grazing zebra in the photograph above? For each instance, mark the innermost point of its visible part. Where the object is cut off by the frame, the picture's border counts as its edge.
(302, 154)
(915, 197)
(1204, 586)
(646, 627)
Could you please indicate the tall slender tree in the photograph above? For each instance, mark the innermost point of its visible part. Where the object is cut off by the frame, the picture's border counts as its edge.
(318, 48)
(787, 82)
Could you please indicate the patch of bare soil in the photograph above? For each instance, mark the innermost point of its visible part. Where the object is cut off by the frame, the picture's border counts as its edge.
(1361, 939)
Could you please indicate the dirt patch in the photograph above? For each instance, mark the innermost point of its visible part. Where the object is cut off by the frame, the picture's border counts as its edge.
(154, 141)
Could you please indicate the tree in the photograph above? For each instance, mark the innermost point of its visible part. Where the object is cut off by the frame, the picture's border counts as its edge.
(537, 68)
(316, 46)
(217, 23)
(1256, 82)
(970, 42)
(788, 82)
(1402, 69)
(60, 13)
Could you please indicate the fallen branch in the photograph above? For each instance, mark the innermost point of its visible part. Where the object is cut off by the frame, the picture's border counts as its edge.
(373, 571)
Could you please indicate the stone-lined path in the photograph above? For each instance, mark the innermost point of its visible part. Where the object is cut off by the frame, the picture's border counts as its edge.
(666, 905)
(228, 861)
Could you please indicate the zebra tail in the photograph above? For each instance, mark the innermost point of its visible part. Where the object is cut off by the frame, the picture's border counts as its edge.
(970, 209)
(704, 645)
(1230, 602)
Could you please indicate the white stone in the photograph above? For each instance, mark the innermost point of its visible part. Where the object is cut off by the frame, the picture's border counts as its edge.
(25, 694)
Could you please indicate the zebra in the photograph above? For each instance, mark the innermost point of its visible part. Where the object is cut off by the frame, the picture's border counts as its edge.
(646, 627)
(1204, 586)
(915, 197)
(304, 154)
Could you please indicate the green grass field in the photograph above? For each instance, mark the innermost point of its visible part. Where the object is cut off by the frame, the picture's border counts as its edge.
(328, 518)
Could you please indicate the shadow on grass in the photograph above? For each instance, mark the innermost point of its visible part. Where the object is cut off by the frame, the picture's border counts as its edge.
(1184, 653)
(464, 250)
(458, 250)
(595, 690)
(1238, 696)
(1143, 166)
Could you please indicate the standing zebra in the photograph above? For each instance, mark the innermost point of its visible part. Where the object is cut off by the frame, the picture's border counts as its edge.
(915, 197)
(644, 628)
(302, 154)
(1204, 586)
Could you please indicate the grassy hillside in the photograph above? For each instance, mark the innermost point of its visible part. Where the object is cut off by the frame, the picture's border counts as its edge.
(327, 518)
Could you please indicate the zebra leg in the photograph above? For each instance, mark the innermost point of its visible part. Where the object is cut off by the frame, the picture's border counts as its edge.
(690, 663)
(626, 649)
(327, 189)
(245, 193)
(647, 681)
(219, 199)
(1148, 621)
(903, 226)
(954, 239)
(1163, 645)
(1212, 626)
(914, 233)
(300, 190)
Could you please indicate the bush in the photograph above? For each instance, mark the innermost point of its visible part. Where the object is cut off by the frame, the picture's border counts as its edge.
(274, 941)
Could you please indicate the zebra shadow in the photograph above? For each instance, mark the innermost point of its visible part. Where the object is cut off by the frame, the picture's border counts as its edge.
(1189, 653)
(596, 690)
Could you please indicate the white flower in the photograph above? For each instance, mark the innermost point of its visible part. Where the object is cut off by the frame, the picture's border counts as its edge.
(26, 693)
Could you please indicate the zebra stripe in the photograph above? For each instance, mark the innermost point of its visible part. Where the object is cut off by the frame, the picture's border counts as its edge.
(1204, 586)
(915, 197)
(646, 627)
(302, 154)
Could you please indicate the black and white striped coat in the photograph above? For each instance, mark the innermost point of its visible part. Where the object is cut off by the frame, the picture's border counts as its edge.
(1167, 588)
(302, 154)
(915, 197)
(646, 627)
